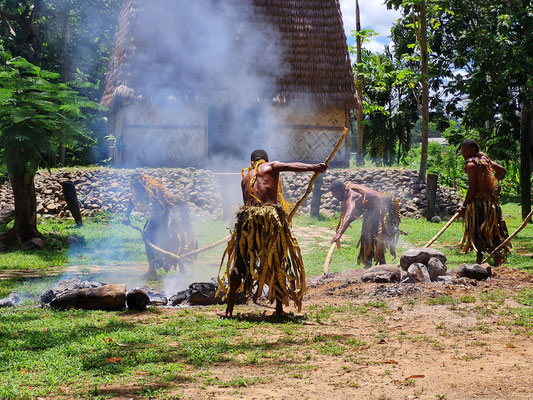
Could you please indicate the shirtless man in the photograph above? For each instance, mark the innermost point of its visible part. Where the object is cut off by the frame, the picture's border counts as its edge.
(481, 204)
(380, 220)
(262, 249)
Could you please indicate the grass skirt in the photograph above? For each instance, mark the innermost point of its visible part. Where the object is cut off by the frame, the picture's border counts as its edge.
(380, 231)
(264, 252)
(485, 228)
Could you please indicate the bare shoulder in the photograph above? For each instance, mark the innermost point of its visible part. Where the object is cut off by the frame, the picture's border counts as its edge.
(471, 167)
(267, 167)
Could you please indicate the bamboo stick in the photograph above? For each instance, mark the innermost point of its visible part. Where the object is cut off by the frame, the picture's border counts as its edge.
(179, 256)
(524, 223)
(315, 176)
(456, 215)
(332, 248)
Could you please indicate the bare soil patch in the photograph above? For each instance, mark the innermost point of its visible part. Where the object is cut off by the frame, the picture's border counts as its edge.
(372, 341)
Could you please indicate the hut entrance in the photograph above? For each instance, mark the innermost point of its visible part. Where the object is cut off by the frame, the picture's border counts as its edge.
(233, 133)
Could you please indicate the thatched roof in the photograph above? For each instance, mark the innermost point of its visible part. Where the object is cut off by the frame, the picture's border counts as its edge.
(312, 42)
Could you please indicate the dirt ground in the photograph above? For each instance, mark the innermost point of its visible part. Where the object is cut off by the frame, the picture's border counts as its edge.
(430, 341)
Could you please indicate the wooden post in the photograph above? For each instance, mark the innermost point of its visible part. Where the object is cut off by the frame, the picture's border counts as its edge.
(431, 194)
(316, 199)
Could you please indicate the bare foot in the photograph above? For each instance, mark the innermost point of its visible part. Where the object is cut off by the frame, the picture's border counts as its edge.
(277, 314)
(223, 314)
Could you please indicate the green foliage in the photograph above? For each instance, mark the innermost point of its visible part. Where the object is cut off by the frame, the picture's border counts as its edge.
(37, 113)
(388, 105)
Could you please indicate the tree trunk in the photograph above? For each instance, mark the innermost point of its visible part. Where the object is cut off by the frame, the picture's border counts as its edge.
(20, 167)
(360, 126)
(25, 206)
(526, 149)
(424, 64)
(65, 67)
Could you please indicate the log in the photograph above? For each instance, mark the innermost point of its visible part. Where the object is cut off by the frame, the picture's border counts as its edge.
(456, 215)
(107, 297)
(524, 223)
(69, 191)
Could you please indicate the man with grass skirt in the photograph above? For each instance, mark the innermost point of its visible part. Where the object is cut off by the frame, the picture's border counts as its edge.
(381, 220)
(485, 228)
(262, 250)
(168, 225)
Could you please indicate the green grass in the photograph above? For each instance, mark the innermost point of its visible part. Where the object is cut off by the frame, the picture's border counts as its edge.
(43, 351)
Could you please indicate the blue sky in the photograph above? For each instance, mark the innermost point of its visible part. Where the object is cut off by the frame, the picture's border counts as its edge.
(374, 15)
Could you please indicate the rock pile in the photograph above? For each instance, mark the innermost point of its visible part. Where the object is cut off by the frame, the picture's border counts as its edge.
(423, 265)
(106, 189)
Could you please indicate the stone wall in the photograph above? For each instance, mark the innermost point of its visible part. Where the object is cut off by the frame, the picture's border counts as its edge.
(105, 189)
(401, 183)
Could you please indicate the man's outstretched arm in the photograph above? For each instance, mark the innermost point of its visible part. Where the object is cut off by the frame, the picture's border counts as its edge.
(298, 167)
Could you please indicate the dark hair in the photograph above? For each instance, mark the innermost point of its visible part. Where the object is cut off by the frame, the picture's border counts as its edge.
(336, 186)
(471, 143)
(258, 154)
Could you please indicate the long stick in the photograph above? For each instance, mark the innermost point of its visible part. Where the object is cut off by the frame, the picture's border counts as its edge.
(442, 230)
(332, 248)
(179, 256)
(315, 176)
(509, 238)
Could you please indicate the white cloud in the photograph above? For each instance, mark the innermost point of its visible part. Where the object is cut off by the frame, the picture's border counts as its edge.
(374, 15)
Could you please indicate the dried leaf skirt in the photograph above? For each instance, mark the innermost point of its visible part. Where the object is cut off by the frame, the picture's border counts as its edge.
(380, 231)
(264, 252)
(485, 228)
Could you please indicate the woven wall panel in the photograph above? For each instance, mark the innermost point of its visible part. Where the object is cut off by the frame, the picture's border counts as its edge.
(170, 138)
(305, 135)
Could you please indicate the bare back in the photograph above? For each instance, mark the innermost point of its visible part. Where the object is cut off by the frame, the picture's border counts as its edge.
(370, 199)
(264, 187)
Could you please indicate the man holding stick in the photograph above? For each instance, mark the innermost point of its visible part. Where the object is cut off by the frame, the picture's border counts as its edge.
(485, 228)
(262, 250)
(381, 220)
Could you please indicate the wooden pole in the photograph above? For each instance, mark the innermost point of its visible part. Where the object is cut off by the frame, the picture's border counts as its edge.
(332, 248)
(528, 217)
(179, 256)
(315, 176)
(442, 230)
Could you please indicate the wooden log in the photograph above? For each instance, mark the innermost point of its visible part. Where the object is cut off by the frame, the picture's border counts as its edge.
(524, 223)
(107, 297)
(69, 191)
(456, 215)
(431, 194)
(317, 194)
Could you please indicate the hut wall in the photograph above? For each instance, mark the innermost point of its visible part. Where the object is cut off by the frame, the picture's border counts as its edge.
(147, 136)
(308, 135)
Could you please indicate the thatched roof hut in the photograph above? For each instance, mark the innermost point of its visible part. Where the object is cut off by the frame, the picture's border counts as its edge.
(302, 107)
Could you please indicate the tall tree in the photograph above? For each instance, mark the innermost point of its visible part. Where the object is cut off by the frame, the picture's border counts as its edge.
(37, 112)
(359, 81)
(421, 33)
(492, 43)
